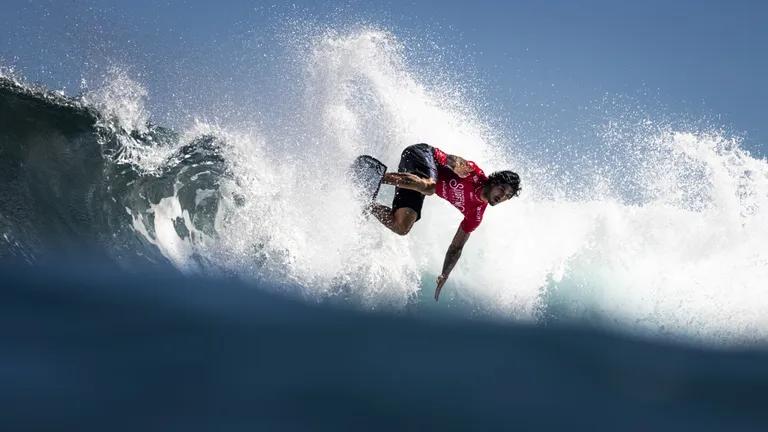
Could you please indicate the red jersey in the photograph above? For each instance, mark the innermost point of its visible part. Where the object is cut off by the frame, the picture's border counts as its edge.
(462, 193)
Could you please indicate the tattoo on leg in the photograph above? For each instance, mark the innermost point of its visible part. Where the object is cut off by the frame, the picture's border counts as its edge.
(383, 214)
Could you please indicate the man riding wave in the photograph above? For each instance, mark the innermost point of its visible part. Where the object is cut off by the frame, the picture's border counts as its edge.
(426, 170)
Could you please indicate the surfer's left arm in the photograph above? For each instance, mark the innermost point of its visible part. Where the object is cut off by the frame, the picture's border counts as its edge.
(451, 258)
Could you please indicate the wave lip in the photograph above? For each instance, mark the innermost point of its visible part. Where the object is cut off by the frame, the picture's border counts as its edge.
(73, 181)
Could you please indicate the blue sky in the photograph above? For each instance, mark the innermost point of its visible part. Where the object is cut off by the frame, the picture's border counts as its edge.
(544, 66)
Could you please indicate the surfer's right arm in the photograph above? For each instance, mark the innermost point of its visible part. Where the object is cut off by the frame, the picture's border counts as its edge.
(451, 258)
(410, 181)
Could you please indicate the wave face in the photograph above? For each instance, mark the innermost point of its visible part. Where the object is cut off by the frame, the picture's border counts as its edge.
(663, 231)
(75, 181)
(86, 345)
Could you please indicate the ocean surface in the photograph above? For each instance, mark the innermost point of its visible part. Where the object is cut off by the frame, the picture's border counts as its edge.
(221, 273)
(87, 347)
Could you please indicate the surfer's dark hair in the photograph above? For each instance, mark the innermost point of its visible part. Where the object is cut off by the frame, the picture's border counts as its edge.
(505, 177)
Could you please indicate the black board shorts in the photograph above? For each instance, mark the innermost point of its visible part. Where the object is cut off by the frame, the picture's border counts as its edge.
(418, 159)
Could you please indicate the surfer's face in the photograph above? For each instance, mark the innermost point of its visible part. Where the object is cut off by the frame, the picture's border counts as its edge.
(500, 193)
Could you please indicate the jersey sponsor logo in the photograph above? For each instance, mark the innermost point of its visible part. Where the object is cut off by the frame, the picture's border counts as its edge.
(457, 194)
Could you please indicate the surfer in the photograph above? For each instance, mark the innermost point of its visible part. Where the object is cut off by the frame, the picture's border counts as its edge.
(426, 170)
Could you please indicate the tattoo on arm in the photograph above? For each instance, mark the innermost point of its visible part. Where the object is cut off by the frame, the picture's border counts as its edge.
(410, 181)
(451, 258)
(454, 250)
(458, 165)
(453, 161)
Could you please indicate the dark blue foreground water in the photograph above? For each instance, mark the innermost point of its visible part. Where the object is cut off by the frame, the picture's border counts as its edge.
(88, 348)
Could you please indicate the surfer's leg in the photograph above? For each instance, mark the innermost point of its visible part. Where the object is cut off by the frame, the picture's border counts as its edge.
(404, 219)
(383, 214)
(406, 209)
(407, 203)
(399, 221)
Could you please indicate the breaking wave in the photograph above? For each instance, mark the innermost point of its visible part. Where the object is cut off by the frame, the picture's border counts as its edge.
(662, 232)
